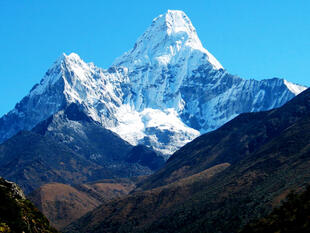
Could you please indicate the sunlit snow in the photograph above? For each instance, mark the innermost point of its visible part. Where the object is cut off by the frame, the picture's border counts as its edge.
(163, 93)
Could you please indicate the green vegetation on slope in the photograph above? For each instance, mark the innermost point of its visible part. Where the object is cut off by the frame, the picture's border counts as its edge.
(292, 216)
(17, 214)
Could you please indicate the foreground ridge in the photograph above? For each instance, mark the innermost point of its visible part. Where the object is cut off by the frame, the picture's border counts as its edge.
(17, 214)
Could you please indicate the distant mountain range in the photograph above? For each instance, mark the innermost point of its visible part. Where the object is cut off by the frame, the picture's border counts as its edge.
(163, 93)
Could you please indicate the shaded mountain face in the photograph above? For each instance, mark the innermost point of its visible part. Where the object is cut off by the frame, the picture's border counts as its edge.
(17, 214)
(146, 157)
(76, 130)
(32, 160)
(87, 137)
(256, 159)
(69, 147)
(163, 93)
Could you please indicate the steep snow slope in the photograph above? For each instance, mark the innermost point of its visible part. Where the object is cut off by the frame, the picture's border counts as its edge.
(163, 93)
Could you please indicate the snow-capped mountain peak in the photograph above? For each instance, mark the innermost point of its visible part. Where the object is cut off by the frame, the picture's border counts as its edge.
(66, 60)
(170, 38)
(163, 93)
(294, 88)
(64, 69)
(72, 57)
(174, 22)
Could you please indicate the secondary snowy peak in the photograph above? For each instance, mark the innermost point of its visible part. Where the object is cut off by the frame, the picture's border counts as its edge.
(58, 71)
(79, 81)
(170, 37)
(294, 88)
(68, 60)
(64, 58)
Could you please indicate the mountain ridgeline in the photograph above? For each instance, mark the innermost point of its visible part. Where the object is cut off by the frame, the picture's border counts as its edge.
(219, 182)
(163, 93)
(233, 141)
(69, 147)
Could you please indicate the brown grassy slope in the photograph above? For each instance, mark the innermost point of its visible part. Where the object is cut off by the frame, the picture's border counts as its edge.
(144, 207)
(62, 203)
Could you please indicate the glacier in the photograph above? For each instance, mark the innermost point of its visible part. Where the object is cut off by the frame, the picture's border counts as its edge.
(163, 93)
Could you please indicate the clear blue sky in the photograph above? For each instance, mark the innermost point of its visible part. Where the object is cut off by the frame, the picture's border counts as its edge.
(253, 39)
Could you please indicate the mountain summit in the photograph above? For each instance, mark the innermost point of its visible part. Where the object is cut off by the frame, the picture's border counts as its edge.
(169, 39)
(163, 93)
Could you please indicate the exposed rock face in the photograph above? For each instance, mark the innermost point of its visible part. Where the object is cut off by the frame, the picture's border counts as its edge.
(15, 191)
